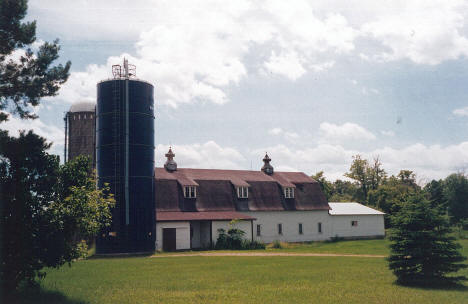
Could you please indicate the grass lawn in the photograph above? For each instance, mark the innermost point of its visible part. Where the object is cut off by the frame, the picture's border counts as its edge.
(241, 279)
(376, 247)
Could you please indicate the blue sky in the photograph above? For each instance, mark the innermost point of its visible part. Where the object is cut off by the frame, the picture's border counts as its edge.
(311, 82)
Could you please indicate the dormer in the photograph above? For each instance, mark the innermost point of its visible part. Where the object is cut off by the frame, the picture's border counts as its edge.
(242, 192)
(190, 191)
(288, 192)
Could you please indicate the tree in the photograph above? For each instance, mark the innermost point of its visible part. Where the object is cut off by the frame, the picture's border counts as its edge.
(325, 185)
(23, 82)
(456, 195)
(422, 251)
(41, 216)
(343, 191)
(435, 193)
(408, 178)
(376, 173)
(368, 177)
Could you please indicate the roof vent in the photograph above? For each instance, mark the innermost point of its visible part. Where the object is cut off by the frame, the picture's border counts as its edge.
(267, 168)
(170, 164)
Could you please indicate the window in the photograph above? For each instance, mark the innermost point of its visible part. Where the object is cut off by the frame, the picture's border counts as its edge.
(289, 192)
(259, 230)
(190, 191)
(300, 228)
(319, 227)
(280, 228)
(242, 192)
(354, 223)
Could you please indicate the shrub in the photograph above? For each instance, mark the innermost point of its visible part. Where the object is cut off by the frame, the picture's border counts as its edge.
(234, 240)
(335, 239)
(251, 245)
(277, 244)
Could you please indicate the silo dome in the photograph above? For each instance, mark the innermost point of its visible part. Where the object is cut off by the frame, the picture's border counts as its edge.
(80, 131)
(83, 106)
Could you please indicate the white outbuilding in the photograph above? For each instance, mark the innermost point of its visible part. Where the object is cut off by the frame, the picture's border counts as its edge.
(354, 220)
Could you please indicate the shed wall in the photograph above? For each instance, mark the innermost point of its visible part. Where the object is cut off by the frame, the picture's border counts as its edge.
(368, 225)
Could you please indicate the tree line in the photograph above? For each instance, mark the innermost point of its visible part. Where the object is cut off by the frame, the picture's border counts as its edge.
(371, 185)
(423, 249)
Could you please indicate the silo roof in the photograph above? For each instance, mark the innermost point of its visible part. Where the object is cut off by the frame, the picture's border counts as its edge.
(83, 106)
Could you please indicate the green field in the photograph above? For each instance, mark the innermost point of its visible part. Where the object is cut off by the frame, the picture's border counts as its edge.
(195, 279)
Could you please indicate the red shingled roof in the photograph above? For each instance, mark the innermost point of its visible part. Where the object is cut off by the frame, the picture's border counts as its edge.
(201, 216)
(216, 191)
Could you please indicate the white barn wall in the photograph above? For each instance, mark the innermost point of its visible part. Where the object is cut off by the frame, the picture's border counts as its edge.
(269, 221)
(242, 225)
(182, 234)
(369, 225)
(196, 243)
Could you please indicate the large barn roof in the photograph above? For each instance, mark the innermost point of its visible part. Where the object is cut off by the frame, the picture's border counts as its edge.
(352, 209)
(216, 190)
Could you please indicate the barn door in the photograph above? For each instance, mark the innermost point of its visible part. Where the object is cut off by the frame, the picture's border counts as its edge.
(169, 239)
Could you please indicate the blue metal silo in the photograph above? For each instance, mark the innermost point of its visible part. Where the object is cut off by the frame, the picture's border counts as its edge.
(125, 160)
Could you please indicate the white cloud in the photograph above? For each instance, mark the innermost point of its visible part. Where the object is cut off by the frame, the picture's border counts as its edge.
(461, 111)
(290, 136)
(428, 162)
(288, 65)
(426, 32)
(193, 54)
(50, 132)
(389, 133)
(346, 132)
(209, 155)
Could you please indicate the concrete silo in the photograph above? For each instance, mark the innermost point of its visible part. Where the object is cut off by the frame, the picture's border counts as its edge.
(125, 159)
(80, 131)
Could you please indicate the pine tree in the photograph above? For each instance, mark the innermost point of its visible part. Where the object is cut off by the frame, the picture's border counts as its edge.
(25, 81)
(422, 251)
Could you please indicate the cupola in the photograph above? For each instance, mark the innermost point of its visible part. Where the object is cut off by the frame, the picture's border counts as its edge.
(267, 168)
(170, 164)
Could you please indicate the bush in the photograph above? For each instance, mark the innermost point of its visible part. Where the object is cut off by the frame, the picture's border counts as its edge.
(234, 240)
(276, 244)
(252, 245)
(335, 239)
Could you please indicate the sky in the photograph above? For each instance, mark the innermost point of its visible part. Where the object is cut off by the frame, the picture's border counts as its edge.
(310, 82)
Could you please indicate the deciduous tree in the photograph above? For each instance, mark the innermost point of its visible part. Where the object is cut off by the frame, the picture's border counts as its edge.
(456, 196)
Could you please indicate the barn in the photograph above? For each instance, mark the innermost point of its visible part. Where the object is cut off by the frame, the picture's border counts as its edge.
(193, 204)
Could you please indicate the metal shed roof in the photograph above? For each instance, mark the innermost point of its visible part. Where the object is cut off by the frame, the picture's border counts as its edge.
(352, 209)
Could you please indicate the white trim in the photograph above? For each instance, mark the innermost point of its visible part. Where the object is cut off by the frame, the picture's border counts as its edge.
(190, 191)
(242, 192)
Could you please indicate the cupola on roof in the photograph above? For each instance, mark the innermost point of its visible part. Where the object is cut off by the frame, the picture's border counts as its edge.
(267, 168)
(170, 164)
